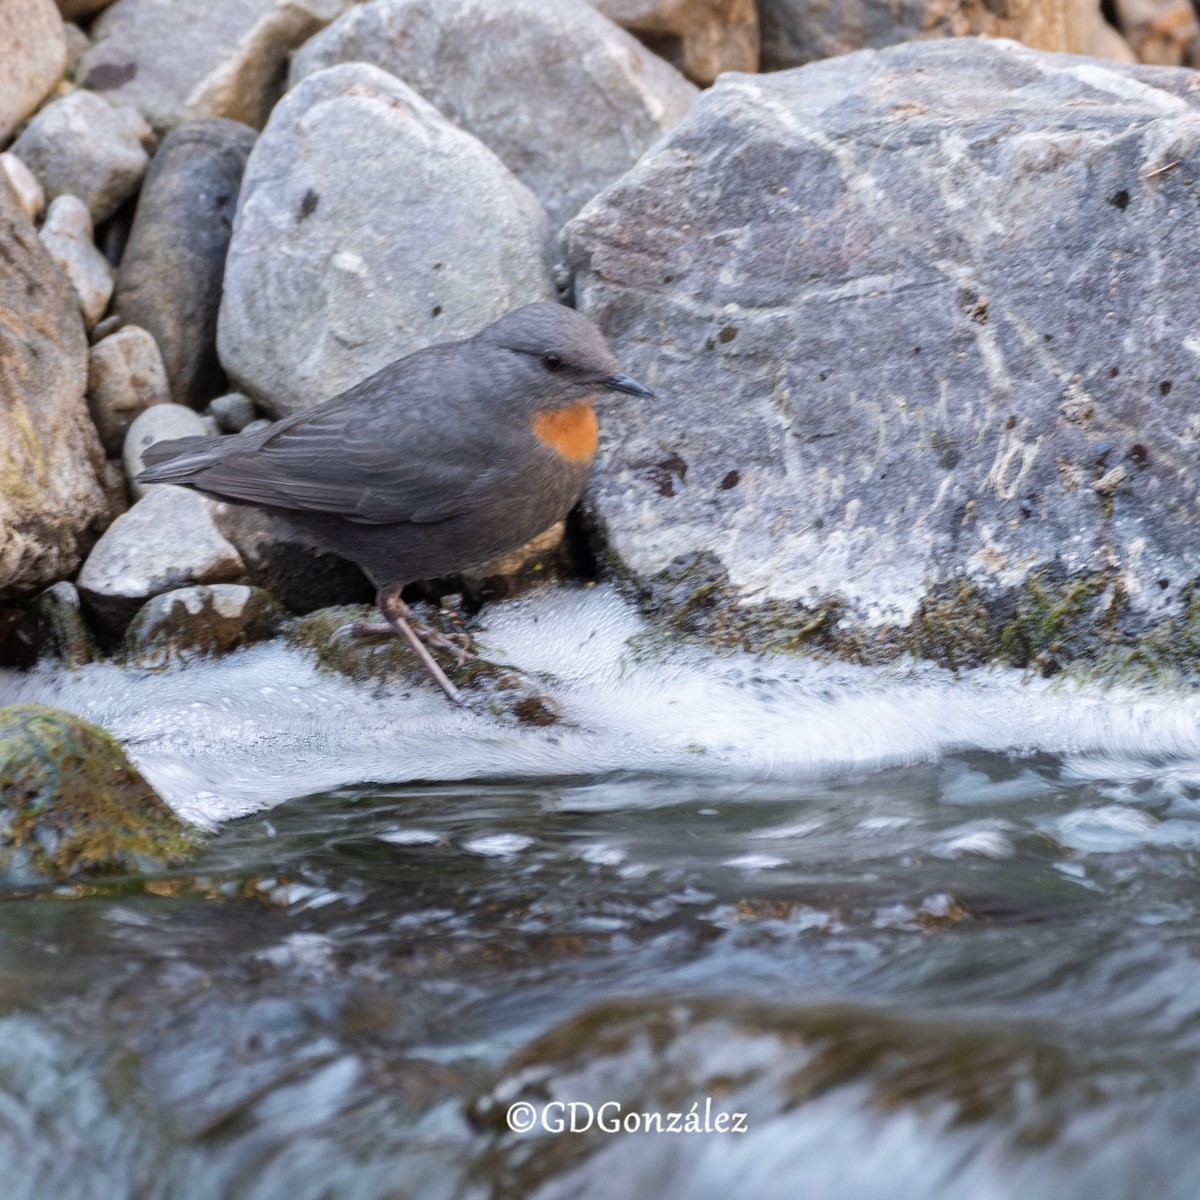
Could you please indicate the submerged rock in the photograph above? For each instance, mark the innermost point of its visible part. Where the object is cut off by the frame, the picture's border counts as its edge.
(325, 284)
(191, 622)
(169, 280)
(71, 803)
(52, 504)
(514, 74)
(911, 328)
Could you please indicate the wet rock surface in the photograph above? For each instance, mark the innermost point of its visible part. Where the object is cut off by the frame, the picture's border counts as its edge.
(513, 74)
(311, 303)
(73, 805)
(63, 632)
(1015, 417)
(171, 271)
(51, 503)
(84, 147)
(196, 621)
(165, 541)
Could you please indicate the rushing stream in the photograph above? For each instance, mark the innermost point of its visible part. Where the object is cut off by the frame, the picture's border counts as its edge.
(932, 936)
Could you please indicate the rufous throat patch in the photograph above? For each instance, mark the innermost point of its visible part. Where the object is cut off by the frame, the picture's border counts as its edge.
(572, 432)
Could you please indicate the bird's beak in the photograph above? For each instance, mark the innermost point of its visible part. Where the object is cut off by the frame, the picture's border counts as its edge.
(623, 383)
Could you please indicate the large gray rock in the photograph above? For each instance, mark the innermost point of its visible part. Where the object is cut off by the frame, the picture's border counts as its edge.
(703, 38)
(125, 377)
(563, 96)
(34, 54)
(917, 322)
(67, 236)
(170, 276)
(52, 505)
(795, 32)
(199, 58)
(368, 226)
(85, 147)
(166, 540)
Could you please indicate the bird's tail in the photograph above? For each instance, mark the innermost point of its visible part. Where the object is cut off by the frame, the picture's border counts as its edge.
(180, 460)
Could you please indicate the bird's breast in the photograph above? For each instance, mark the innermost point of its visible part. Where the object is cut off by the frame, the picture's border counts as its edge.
(570, 432)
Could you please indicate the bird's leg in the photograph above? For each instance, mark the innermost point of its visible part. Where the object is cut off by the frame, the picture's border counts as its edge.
(459, 646)
(398, 615)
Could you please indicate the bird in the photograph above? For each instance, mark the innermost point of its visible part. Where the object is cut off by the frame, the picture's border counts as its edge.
(440, 461)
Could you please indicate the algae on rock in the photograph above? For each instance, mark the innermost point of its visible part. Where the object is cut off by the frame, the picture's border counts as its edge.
(71, 803)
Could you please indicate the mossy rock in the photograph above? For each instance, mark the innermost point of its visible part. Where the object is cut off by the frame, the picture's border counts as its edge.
(488, 686)
(203, 620)
(72, 804)
(1050, 622)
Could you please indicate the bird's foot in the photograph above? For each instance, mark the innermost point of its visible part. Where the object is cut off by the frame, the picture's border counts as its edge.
(353, 630)
(458, 644)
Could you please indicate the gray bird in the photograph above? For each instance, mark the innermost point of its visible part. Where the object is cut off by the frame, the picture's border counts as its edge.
(438, 462)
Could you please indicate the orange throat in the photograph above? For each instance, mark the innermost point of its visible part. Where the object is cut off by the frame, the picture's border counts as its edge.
(571, 432)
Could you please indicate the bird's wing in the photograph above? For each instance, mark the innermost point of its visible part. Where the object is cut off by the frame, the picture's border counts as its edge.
(365, 461)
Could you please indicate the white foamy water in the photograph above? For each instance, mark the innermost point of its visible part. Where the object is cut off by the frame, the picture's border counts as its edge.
(223, 738)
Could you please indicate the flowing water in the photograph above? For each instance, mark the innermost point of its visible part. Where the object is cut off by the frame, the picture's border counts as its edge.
(920, 936)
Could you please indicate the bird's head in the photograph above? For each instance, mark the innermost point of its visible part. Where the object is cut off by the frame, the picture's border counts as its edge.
(548, 357)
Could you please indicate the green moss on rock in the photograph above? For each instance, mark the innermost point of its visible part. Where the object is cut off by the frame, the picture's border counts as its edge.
(198, 621)
(72, 804)
(1055, 622)
(1049, 622)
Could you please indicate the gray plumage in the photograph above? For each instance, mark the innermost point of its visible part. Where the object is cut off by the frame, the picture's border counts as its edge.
(430, 465)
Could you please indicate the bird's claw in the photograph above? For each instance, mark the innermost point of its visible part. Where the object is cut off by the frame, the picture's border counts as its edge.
(457, 644)
(353, 630)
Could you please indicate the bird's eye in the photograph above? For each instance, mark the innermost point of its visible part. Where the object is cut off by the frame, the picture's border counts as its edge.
(551, 362)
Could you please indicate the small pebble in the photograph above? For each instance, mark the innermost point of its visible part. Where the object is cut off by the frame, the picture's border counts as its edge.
(30, 193)
(232, 412)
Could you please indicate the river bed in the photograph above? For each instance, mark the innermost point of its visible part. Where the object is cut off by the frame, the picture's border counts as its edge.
(925, 935)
